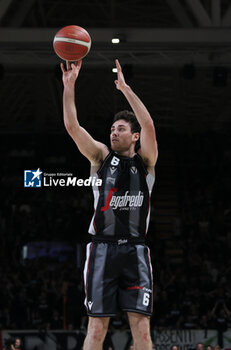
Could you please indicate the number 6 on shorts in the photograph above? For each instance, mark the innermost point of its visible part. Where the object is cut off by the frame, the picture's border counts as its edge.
(146, 299)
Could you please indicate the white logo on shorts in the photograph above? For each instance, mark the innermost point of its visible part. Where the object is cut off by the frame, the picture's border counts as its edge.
(90, 303)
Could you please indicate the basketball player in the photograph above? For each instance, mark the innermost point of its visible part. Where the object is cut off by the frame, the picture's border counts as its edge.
(117, 271)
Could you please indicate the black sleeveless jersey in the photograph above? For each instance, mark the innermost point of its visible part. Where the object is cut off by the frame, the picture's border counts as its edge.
(122, 202)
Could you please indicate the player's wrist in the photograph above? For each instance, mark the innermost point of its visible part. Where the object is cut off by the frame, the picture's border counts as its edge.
(69, 85)
(125, 88)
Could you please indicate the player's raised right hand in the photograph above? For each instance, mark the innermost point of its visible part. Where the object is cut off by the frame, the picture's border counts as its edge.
(70, 74)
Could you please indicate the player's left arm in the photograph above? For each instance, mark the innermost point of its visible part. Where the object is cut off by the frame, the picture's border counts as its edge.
(148, 144)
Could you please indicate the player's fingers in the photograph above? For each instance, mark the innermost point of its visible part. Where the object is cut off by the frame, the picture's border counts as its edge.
(76, 64)
(118, 66)
(68, 65)
(62, 67)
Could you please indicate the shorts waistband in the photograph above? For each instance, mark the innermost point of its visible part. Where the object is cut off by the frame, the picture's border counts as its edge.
(118, 240)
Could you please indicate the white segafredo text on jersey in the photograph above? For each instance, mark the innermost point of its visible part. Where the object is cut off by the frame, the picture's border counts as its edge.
(127, 200)
(90, 303)
(115, 161)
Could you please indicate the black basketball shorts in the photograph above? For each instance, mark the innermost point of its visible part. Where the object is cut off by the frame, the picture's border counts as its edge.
(118, 277)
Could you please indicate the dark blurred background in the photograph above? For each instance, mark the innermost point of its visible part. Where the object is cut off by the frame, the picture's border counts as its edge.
(176, 55)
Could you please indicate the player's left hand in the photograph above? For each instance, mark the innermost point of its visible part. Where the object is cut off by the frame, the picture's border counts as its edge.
(120, 82)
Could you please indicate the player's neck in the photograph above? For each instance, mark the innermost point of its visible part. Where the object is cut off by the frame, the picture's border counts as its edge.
(129, 153)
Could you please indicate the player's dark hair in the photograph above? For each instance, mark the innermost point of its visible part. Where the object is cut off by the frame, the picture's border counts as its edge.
(129, 117)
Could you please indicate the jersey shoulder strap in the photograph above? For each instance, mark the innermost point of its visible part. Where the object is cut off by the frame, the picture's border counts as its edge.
(109, 156)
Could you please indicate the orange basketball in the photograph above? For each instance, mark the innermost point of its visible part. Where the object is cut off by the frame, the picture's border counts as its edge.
(72, 43)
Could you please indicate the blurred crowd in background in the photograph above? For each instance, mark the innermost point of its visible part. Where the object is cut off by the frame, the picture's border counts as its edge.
(48, 294)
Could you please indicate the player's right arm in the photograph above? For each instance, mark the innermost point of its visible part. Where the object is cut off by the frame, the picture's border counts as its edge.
(93, 150)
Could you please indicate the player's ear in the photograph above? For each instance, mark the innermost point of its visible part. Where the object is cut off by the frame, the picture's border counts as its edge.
(136, 136)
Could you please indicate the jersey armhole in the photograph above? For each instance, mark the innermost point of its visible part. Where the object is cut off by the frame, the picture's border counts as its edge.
(152, 173)
(104, 162)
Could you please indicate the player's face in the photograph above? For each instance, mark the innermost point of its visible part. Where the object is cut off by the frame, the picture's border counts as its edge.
(121, 136)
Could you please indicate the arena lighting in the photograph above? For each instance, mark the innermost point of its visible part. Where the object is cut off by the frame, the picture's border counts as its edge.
(118, 38)
(115, 40)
